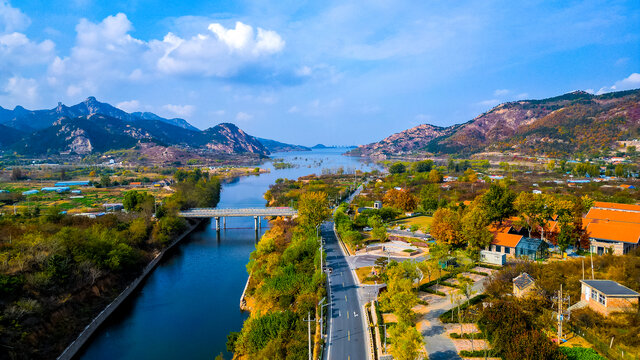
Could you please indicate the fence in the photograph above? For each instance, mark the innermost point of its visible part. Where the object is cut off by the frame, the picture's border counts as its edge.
(615, 352)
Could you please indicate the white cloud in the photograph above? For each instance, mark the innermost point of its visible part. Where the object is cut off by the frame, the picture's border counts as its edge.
(294, 109)
(105, 54)
(630, 82)
(17, 50)
(129, 106)
(622, 61)
(222, 52)
(180, 110)
(423, 118)
(501, 92)
(303, 71)
(12, 19)
(19, 90)
(218, 112)
(243, 116)
(489, 102)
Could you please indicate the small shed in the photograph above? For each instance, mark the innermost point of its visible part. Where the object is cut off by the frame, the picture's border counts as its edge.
(377, 204)
(523, 284)
(607, 296)
(493, 257)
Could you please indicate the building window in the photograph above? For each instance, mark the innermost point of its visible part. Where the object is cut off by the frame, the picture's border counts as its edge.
(601, 299)
(507, 250)
(594, 295)
(498, 248)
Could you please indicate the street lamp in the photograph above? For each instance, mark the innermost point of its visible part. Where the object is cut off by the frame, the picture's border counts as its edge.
(320, 239)
(322, 315)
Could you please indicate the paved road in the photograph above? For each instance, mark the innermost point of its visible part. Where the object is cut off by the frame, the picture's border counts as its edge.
(346, 328)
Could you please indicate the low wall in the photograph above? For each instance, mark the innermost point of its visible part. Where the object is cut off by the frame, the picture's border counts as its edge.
(77, 344)
(243, 302)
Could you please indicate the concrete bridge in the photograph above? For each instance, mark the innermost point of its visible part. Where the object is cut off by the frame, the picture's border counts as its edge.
(224, 213)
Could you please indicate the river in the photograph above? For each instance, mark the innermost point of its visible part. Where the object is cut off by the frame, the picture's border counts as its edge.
(188, 305)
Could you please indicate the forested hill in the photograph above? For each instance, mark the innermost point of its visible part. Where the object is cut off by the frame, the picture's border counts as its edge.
(92, 126)
(577, 122)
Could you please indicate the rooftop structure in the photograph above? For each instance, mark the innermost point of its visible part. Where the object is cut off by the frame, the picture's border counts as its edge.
(523, 284)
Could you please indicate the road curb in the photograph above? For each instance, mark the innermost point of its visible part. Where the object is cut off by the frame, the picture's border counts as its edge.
(365, 326)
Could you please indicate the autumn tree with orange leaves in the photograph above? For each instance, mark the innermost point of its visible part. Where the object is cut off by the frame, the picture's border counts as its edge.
(400, 199)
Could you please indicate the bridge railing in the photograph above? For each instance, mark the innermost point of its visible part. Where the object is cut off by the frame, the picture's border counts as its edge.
(214, 212)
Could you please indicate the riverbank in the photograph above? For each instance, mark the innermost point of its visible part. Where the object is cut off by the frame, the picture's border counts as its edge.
(88, 331)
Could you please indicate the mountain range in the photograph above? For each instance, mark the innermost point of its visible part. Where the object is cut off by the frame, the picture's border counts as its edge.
(93, 127)
(577, 122)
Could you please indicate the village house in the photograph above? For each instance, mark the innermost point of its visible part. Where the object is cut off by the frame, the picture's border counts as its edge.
(613, 227)
(607, 296)
(510, 241)
(523, 285)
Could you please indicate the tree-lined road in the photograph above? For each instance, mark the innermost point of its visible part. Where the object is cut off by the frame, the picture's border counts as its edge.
(346, 336)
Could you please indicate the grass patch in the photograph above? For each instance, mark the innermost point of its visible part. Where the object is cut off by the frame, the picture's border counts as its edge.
(476, 336)
(364, 275)
(477, 273)
(477, 353)
(580, 353)
(421, 221)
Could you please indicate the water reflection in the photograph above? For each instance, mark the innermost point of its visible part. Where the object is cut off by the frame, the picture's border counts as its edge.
(190, 303)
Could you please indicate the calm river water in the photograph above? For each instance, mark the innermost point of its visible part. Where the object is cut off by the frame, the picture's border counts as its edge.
(189, 304)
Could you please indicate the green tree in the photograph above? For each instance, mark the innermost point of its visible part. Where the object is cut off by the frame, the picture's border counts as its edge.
(534, 210)
(474, 229)
(423, 166)
(105, 180)
(498, 202)
(53, 214)
(406, 342)
(435, 176)
(137, 200)
(313, 209)
(397, 168)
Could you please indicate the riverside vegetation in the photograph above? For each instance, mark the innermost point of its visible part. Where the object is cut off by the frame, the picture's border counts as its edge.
(58, 271)
(285, 286)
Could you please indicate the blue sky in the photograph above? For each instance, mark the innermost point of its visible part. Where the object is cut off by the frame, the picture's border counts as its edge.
(335, 72)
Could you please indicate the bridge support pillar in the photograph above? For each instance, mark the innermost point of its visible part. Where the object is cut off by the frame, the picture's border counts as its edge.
(255, 222)
(217, 223)
(224, 222)
(259, 222)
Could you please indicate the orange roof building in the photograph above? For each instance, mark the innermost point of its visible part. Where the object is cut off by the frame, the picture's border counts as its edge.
(505, 243)
(615, 206)
(624, 216)
(613, 227)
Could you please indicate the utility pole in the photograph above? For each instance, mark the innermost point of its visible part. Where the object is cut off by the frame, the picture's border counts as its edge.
(591, 253)
(309, 321)
(560, 314)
